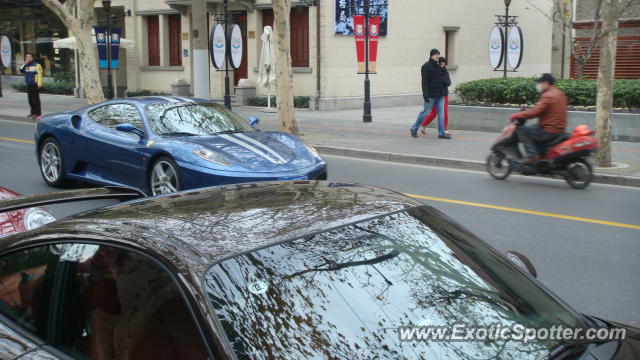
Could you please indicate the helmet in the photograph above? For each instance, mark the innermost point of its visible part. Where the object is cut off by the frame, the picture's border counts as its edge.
(581, 130)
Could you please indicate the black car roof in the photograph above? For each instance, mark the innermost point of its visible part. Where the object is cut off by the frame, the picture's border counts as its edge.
(197, 228)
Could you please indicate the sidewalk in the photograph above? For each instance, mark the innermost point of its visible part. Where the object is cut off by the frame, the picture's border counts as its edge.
(344, 133)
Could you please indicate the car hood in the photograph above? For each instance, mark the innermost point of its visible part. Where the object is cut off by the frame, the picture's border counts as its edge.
(258, 150)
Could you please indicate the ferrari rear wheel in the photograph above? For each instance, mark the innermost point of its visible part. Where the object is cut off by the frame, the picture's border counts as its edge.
(164, 178)
(51, 163)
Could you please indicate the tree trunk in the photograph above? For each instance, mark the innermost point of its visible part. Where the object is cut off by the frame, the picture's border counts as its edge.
(284, 76)
(80, 26)
(604, 102)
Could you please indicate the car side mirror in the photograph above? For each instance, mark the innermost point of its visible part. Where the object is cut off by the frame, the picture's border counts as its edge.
(522, 262)
(254, 121)
(130, 129)
(76, 120)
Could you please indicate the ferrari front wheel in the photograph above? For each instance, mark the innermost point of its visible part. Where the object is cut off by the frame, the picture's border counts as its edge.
(164, 177)
(51, 163)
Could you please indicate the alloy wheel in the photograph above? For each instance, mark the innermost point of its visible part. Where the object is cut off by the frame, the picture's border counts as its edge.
(51, 162)
(164, 178)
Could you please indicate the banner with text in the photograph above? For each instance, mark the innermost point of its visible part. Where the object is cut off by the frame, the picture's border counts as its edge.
(360, 36)
(374, 34)
(358, 25)
(101, 40)
(115, 47)
(346, 10)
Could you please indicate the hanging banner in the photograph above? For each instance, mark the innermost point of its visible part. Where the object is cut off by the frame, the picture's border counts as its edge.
(235, 49)
(218, 46)
(5, 51)
(374, 34)
(345, 18)
(101, 40)
(115, 47)
(358, 22)
(496, 51)
(514, 47)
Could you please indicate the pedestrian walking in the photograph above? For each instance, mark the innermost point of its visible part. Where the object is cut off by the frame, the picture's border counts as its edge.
(432, 115)
(433, 77)
(33, 77)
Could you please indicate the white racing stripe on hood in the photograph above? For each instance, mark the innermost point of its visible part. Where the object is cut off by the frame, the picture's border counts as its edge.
(261, 145)
(228, 137)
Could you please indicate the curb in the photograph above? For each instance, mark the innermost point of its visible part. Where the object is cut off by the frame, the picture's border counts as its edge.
(598, 178)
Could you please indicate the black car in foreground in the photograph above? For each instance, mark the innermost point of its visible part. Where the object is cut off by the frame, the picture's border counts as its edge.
(281, 270)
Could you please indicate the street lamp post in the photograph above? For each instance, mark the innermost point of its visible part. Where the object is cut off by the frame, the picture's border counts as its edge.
(227, 90)
(106, 4)
(367, 85)
(506, 36)
(366, 12)
(505, 21)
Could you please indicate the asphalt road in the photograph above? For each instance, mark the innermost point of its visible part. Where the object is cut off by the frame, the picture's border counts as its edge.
(579, 241)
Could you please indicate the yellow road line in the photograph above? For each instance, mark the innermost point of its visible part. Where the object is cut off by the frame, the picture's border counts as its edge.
(486, 206)
(529, 212)
(17, 140)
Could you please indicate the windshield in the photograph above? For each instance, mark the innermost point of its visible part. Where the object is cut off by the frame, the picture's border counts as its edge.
(192, 119)
(345, 293)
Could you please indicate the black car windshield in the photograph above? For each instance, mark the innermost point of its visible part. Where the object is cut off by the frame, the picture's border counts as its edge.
(190, 119)
(345, 293)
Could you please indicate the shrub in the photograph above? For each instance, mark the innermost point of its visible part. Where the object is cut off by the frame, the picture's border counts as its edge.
(626, 93)
(300, 102)
(261, 101)
(60, 88)
(64, 76)
(134, 93)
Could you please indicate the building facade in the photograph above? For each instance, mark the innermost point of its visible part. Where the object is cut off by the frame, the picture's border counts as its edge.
(628, 39)
(323, 59)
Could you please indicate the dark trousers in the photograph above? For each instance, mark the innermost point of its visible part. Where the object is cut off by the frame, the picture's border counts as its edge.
(34, 99)
(534, 138)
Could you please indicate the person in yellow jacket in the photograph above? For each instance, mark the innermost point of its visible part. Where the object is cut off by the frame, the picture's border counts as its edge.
(33, 77)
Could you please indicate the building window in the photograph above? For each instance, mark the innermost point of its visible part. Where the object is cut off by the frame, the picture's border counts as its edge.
(153, 40)
(299, 22)
(450, 43)
(175, 42)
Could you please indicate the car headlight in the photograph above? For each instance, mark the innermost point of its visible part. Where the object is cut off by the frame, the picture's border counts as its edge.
(35, 217)
(211, 156)
(313, 151)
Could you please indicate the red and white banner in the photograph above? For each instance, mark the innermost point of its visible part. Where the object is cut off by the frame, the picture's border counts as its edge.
(374, 34)
(358, 31)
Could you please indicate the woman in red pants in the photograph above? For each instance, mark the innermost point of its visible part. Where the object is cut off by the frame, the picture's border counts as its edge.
(434, 110)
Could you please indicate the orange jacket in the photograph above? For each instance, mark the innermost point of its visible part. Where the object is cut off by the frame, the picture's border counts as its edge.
(551, 111)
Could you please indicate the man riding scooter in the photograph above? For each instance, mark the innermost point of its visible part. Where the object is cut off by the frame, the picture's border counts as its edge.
(551, 110)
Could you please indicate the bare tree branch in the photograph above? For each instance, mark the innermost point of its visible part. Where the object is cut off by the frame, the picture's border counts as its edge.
(60, 10)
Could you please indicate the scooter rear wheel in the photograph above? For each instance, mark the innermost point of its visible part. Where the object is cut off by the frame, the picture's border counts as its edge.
(579, 174)
(498, 165)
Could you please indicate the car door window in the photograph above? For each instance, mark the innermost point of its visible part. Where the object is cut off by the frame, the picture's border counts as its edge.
(118, 304)
(26, 283)
(111, 115)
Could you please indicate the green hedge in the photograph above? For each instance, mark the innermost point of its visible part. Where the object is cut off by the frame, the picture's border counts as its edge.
(301, 102)
(60, 88)
(626, 93)
(132, 93)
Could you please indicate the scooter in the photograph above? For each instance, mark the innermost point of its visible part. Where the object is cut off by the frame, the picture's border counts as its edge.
(567, 156)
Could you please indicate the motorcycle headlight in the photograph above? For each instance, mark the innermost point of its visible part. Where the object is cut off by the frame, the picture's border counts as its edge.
(313, 151)
(211, 156)
(35, 217)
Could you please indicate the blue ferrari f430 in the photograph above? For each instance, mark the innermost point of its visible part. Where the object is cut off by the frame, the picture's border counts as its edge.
(165, 144)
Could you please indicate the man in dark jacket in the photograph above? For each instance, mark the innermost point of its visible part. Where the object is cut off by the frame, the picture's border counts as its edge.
(433, 85)
(551, 111)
